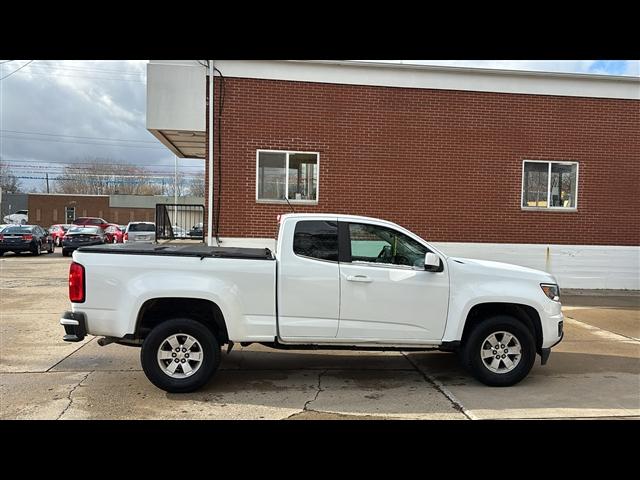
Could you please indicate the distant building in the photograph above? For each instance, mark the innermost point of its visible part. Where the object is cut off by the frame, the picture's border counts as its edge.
(47, 209)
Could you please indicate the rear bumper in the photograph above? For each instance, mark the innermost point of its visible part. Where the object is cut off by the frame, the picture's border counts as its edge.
(75, 326)
(69, 247)
(27, 247)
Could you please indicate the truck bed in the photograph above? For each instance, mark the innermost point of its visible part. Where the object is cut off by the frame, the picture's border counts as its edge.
(202, 251)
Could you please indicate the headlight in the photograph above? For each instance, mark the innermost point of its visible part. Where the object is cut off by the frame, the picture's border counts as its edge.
(551, 290)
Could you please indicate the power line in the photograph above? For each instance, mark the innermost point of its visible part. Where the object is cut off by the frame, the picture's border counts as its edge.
(85, 69)
(93, 163)
(105, 144)
(78, 136)
(17, 70)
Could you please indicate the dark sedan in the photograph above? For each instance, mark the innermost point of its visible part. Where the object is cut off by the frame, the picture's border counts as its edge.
(79, 236)
(26, 238)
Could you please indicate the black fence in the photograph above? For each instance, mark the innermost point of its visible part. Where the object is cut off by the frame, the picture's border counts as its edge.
(179, 222)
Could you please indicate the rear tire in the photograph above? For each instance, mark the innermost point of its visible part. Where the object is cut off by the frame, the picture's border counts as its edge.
(500, 366)
(65, 253)
(161, 341)
(37, 251)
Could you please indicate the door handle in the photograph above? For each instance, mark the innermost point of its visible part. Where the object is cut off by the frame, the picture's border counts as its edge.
(359, 278)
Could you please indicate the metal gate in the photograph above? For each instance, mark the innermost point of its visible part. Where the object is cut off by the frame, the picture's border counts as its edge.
(179, 222)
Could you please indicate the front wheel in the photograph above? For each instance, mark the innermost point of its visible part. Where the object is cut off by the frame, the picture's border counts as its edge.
(180, 355)
(500, 351)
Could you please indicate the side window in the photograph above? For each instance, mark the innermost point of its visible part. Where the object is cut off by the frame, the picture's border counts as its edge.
(316, 239)
(375, 244)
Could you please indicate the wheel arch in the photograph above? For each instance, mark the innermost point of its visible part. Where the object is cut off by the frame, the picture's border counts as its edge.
(160, 309)
(526, 314)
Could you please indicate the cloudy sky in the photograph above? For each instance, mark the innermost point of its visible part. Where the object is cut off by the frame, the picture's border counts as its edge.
(54, 113)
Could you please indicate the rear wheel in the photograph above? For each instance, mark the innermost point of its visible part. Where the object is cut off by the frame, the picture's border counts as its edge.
(52, 247)
(65, 253)
(500, 351)
(180, 355)
(37, 251)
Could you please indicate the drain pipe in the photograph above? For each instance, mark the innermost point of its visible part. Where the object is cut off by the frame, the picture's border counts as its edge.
(210, 157)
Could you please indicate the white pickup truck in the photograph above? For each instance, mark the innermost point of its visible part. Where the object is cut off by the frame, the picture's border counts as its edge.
(334, 281)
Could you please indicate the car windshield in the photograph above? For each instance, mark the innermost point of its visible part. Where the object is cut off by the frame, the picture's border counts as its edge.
(83, 230)
(17, 230)
(142, 227)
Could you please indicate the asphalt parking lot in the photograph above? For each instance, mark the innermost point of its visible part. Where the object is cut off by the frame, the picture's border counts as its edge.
(593, 373)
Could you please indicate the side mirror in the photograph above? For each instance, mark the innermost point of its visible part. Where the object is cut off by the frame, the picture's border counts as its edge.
(431, 262)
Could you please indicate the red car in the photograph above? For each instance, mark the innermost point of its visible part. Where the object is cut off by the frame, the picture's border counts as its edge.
(57, 232)
(113, 233)
(92, 222)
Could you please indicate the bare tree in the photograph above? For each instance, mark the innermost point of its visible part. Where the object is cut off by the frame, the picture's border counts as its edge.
(102, 176)
(8, 181)
(196, 187)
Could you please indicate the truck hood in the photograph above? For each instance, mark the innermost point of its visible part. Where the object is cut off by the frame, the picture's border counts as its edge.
(499, 269)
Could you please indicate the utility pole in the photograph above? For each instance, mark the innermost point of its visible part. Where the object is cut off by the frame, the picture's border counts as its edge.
(175, 189)
(47, 173)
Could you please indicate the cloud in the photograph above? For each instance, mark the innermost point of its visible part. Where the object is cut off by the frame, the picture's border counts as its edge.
(606, 67)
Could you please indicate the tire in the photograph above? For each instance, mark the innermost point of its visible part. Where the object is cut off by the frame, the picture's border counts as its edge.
(53, 248)
(479, 340)
(65, 253)
(157, 340)
(115, 240)
(37, 251)
(58, 242)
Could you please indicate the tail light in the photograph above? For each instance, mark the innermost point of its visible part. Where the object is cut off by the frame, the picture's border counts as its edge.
(125, 236)
(76, 283)
(1, 238)
(27, 237)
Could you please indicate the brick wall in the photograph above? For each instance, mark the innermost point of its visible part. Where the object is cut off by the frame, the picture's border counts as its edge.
(445, 164)
(52, 209)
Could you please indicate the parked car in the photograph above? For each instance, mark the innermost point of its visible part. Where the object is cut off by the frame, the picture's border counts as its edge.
(92, 221)
(114, 233)
(21, 217)
(140, 232)
(334, 281)
(26, 238)
(79, 236)
(58, 231)
(179, 232)
(196, 231)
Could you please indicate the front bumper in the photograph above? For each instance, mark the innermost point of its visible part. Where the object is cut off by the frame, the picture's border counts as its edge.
(545, 352)
(75, 326)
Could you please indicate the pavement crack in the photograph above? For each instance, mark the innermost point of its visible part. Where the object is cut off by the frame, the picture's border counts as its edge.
(440, 388)
(319, 389)
(70, 395)
(77, 349)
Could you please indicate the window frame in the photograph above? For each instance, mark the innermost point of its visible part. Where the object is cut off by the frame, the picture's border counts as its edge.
(548, 207)
(286, 167)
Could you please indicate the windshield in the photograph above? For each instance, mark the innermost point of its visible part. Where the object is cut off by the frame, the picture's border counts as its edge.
(142, 227)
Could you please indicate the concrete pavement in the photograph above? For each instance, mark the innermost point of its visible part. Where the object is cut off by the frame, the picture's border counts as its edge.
(593, 373)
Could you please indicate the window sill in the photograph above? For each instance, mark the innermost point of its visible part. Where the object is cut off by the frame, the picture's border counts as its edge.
(284, 202)
(549, 209)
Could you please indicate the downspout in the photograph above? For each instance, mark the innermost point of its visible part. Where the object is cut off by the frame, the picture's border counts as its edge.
(210, 157)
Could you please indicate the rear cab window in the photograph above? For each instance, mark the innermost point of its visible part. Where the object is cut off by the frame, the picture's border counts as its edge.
(316, 239)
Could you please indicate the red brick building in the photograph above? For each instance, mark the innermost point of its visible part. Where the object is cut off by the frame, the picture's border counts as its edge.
(482, 161)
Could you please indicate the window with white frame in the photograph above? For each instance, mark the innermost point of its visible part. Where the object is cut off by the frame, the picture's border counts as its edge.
(287, 175)
(549, 184)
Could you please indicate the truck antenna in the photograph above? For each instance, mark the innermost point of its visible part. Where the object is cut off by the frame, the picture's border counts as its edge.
(285, 197)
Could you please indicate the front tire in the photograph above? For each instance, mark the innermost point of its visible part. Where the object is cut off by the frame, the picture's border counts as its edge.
(192, 344)
(500, 351)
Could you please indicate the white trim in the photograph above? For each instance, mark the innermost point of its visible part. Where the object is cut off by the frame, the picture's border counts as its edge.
(548, 207)
(286, 187)
(435, 77)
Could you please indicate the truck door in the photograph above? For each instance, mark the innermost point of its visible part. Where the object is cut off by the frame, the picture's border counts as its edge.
(386, 294)
(308, 280)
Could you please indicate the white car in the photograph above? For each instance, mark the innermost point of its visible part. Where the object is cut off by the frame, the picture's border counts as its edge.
(334, 281)
(144, 232)
(21, 217)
